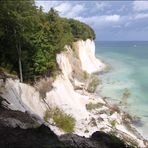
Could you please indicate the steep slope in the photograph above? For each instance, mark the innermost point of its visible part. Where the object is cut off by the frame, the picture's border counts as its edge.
(67, 92)
(26, 98)
(86, 53)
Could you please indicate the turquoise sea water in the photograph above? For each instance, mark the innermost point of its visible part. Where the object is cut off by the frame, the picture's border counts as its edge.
(129, 62)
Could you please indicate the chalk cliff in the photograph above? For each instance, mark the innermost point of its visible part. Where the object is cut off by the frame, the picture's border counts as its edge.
(24, 97)
(67, 92)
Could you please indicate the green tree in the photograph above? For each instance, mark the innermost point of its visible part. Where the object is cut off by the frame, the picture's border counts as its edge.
(15, 18)
(30, 38)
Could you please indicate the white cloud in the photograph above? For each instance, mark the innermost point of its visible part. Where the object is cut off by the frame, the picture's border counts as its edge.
(75, 11)
(101, 5)
(122, 8)
(47, 4)
(141, 16)
(63, 8)
(117, 26)
(127, 24)
(112, 18)
(66, 9)
(101, 21)
(105, 16)
(140, 5)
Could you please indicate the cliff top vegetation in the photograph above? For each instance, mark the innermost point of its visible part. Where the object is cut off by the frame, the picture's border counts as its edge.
(31, 38)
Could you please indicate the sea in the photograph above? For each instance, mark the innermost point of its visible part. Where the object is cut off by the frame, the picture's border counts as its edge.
(126, 81)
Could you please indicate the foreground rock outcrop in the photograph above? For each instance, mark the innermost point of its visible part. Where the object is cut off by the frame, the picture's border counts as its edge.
(43, 137)
(12, 136)
(97, 140)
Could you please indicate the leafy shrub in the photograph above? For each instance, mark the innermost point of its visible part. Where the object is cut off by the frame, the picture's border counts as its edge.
(94, 82)
(90, 106)
(113, 123)
(80, 30)
(85, 75)
(62, 120)
(86, 131)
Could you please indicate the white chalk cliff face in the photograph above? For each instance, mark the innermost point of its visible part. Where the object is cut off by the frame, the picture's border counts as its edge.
(26, 98)
(72, 62)
(86, 53)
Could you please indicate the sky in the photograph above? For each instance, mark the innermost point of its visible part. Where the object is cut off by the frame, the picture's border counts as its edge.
(111, 20)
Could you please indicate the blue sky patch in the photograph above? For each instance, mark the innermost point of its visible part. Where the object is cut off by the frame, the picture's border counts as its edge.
(111, 20)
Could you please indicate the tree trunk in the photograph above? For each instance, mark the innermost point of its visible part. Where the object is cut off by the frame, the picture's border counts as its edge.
(19, 51)
(20, 62)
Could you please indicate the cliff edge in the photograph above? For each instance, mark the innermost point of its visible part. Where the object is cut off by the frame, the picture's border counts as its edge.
(68, 95)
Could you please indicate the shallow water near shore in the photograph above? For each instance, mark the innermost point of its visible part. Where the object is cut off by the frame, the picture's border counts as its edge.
(129, 72)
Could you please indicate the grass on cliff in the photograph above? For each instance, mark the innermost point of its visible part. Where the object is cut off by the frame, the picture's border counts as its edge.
(94, 82)
(113, 123)
(85, 75)
(62, 120)
(91, 106)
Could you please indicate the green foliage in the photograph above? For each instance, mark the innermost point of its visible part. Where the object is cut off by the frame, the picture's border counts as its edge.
(113, 123)
(62, 120)
(47, 115)
(85, 75)
(86, 131)
(94, 82)
(91, 106)
(81, 30)
(32, 37)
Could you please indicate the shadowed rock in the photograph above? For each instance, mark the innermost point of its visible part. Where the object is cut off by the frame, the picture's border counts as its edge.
(43, 137)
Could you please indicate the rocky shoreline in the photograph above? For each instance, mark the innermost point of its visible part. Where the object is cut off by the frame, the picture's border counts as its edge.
(128, 120)
(125, 120)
